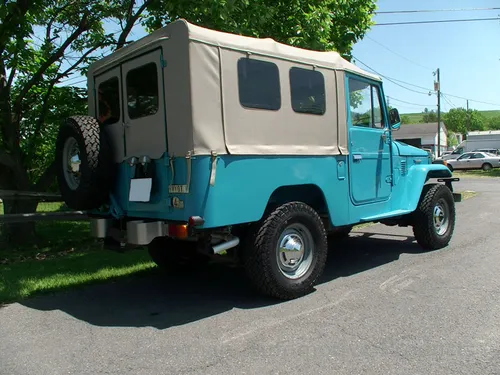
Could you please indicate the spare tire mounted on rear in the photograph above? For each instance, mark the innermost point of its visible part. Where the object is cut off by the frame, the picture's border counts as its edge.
(85, 170)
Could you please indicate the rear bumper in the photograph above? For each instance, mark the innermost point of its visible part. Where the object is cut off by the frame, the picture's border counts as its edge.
(138, 232)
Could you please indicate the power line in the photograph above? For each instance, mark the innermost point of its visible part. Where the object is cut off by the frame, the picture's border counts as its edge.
(390, 79)
(434, 10)
(398, 54)
(472, 100)
(436, 21)
(414, 104)
(448, 100)
(411, 84)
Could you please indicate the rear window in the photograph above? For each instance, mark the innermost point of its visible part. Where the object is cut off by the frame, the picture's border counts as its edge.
(142, 91)
(259, 84)
(108, 105)
(308, 91)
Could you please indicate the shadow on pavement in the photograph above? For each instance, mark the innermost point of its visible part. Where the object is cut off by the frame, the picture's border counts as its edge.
(162, 301)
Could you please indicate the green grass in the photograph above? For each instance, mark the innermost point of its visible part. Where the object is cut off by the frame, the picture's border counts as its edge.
(416, 118)
(25, 279)
(63, 255)
(477, 173)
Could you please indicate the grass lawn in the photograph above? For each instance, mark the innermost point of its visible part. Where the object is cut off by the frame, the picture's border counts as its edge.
(62, 256)
(477, 173)
(19, 280)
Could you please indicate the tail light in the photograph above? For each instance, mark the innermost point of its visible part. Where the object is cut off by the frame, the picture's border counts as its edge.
(178, 231)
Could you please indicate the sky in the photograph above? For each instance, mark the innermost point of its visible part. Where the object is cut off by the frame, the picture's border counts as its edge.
(467, 54)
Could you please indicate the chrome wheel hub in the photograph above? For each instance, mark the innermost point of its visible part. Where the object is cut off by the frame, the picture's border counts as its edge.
(440, 217)
(295, 251)
(71, 163)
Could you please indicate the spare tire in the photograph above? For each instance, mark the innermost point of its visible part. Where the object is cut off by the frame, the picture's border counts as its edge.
(84, 162)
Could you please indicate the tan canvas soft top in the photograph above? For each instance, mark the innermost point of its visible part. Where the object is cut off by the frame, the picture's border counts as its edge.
(203, 111)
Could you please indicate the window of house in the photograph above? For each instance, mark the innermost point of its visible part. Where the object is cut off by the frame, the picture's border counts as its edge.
(108, 105)
(259, 84)
(142, 91)
(365, 104)
(307, 90)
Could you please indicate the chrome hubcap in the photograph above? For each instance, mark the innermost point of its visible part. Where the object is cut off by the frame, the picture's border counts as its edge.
(294, 251)
(71, 163)
(440, 217)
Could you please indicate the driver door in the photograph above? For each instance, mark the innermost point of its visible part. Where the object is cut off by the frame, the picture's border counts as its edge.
(369, 143)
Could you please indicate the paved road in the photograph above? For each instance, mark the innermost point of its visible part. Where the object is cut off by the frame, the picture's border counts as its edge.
(382, 308)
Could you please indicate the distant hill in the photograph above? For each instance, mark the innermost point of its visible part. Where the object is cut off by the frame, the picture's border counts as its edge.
(416, 118)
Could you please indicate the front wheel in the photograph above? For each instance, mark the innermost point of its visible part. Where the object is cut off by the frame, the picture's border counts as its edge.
(286, 253)
(434, 218)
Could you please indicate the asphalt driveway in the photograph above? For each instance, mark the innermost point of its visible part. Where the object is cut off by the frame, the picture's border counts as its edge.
(383, 307)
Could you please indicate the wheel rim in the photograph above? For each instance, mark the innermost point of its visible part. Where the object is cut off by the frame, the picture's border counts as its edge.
(71, 163)
(295, 251)
(441, 217)
(486, 167)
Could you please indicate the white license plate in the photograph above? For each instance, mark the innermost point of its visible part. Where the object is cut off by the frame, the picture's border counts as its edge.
(140, 190)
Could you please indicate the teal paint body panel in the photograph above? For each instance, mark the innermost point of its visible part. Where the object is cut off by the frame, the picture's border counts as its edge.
(243, 187)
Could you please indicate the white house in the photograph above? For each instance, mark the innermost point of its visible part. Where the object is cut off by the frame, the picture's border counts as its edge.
(423, 136)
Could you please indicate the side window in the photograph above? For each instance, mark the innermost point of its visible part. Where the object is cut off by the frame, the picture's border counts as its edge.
(308, 91)
(259, 84)
(464, 156)
(142, 91)
(108, 106)
(365, 104)
(477, 156)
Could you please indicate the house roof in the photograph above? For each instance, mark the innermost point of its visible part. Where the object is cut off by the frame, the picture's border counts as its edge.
(418, 130)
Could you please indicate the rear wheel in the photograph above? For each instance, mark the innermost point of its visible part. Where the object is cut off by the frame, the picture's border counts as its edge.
(286, 253)
(486, 167)
(175, 255)
(434, 219)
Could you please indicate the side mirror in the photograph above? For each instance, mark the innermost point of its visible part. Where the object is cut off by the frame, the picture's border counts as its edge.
(394, 119)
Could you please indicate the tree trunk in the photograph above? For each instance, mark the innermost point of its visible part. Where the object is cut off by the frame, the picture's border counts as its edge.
(18, 233)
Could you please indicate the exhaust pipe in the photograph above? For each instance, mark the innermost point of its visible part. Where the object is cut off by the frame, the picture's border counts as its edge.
(226, 245)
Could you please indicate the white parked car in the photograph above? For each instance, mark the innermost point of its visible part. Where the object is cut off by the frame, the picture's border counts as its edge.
(475, 160)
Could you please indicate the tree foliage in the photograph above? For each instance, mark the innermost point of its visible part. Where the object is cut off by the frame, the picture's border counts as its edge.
(494, 123)
(460, 121)
(405, 119)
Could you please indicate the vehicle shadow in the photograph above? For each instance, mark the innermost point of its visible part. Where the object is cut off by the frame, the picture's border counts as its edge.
(161, 301)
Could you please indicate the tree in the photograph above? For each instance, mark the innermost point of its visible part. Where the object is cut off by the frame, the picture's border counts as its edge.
(405, 119)
(494, 123)
(429, 116)
(42, 43)
(320, 25)
(456, 120)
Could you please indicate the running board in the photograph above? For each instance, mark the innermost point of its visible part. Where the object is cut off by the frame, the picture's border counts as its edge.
(386, 215)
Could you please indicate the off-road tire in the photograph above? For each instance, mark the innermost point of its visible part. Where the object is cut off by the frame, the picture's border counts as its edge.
(97, 171)
(423, 222)
(260, 258)
(173, 255)
(486, 167)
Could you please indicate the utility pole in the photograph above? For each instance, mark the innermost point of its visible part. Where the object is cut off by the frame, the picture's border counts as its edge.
(437, 87)
(468, 117)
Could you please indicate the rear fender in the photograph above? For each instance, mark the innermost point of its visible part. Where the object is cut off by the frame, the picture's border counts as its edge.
(417, 176)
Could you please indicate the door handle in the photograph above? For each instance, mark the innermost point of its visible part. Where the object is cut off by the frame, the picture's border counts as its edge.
(357, 157)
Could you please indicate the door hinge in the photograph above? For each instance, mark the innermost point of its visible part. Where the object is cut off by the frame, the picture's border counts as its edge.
(388, 179)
